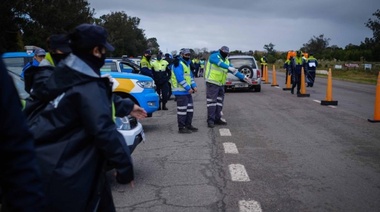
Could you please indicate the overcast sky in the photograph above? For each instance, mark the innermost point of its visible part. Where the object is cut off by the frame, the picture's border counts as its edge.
(246, 24)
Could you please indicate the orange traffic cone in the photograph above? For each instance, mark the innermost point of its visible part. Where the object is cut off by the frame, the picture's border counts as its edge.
(288, 86)
(266, 76)
(328, 100)
(303, 87)
(263, 78)
(376, 117)
(274, 80)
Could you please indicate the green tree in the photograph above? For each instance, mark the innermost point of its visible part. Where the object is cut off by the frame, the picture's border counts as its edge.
(31, 22)
(374, 42)
(153, 45)
(124, 33)
(270, 49)
(316, 45)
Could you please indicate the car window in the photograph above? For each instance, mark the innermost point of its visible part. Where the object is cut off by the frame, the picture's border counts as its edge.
(125, 68)
(16, 64)
(239, 62)
(109, 67)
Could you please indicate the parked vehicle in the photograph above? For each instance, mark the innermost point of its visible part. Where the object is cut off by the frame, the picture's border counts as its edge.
(246, 65)
(139, 88)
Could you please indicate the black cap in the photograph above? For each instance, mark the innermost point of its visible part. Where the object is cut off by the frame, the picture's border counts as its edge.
(148, 52)
(59, 42)
(89, 36)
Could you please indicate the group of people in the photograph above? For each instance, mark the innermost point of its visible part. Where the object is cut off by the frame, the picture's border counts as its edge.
(57, 153)
(294, 65)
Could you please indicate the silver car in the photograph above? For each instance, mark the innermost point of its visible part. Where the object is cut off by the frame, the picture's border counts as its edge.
(246, 65)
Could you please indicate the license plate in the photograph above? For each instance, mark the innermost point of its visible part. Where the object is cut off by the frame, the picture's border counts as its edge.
(241, 85)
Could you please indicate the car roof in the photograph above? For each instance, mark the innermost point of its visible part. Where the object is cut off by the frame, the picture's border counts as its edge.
(17, 54)
(240, 56)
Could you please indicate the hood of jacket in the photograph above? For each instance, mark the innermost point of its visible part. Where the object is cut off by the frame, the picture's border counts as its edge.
(69, 72)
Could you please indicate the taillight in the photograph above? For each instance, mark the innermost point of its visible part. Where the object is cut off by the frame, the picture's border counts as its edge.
(228, 83)
(258, 73)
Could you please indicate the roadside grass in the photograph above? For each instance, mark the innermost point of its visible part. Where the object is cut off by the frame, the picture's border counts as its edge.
(359, 76)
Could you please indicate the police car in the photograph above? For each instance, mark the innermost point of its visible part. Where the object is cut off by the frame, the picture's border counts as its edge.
(139, 88)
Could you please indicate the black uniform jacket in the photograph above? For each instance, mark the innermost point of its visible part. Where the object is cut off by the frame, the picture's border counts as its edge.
(75, 136)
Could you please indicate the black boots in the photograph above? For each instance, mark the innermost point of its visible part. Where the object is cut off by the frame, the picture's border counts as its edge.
(164, 106)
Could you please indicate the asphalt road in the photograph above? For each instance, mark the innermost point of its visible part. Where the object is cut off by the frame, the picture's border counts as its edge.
(279, 152)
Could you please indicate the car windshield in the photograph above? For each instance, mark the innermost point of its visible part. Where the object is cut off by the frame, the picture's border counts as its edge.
(109, 67)
(239, 62)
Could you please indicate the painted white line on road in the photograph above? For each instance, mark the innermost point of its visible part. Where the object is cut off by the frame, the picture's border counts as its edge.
(249, 206)
(317, 101)
(230, 148)
(238, 173)
(331, 106)
(224, 132)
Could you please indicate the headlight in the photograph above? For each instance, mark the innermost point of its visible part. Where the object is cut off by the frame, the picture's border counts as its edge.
(123, 123)
(146, 84)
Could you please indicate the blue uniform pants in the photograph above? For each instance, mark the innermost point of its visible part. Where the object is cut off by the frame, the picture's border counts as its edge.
(185, 110)
(215, 99)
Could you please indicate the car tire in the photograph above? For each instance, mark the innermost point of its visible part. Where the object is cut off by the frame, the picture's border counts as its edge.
(246, 71)
(257, 88)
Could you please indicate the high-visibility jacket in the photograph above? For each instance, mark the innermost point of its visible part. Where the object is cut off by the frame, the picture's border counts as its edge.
(181, 79)
(216, 74)
(161, 71)
(312, 63)
(263, 61)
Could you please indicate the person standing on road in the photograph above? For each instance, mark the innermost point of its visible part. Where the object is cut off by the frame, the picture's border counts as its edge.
(296, 64)
(161, 76)
(75, 135)
(145, 66)
(287, 68)
(264, 62)
(39, 55)
(20, 179)
(183, 85)
(216, 72)
(312, 64)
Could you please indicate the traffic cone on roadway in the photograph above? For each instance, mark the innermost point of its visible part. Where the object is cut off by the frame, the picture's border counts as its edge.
(376, 117)
(263, 77)
(303, 87)
(274, 80)
(266, 76)
(288, 86)
(328, 100)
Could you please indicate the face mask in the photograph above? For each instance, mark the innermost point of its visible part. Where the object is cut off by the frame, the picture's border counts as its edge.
(224, 55)
(159, 57)
(58, 57)
(148, 57)
(186, 58)
(99, 62)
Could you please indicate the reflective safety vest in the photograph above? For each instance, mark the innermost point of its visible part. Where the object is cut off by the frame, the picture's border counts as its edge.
(202, 63)
(215, 74)
(144, 63)
(160, 65)
(263, 62)
(176, 86)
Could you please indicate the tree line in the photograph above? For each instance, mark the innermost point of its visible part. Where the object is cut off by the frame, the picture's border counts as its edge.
(31, 22)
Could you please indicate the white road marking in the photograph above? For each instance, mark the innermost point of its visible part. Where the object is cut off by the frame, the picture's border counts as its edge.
(249, 206)
(331, 106)
(317, 101)
(238, 173)
(230, 148)
(224, 132)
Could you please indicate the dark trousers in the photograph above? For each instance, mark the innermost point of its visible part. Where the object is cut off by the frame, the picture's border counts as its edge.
(215, 99)
(310, 78)
(163, 91)
(296, 78)
(185, 110)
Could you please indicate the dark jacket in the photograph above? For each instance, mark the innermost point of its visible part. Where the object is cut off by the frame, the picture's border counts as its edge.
(20, 180)
(75, 136)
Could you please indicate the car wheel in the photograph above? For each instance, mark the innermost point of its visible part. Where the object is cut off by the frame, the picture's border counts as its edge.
(246, 71)
(257, 88)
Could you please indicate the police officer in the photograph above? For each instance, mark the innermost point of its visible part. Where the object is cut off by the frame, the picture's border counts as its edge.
(161, 76)
(217, 68)
(264, 62)
(297, 63)
(145, 66)
(183, 85)
(287, 68)
(312, 64)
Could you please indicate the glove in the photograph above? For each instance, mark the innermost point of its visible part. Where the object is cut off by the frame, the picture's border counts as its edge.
(232, 69)
(247, 80)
